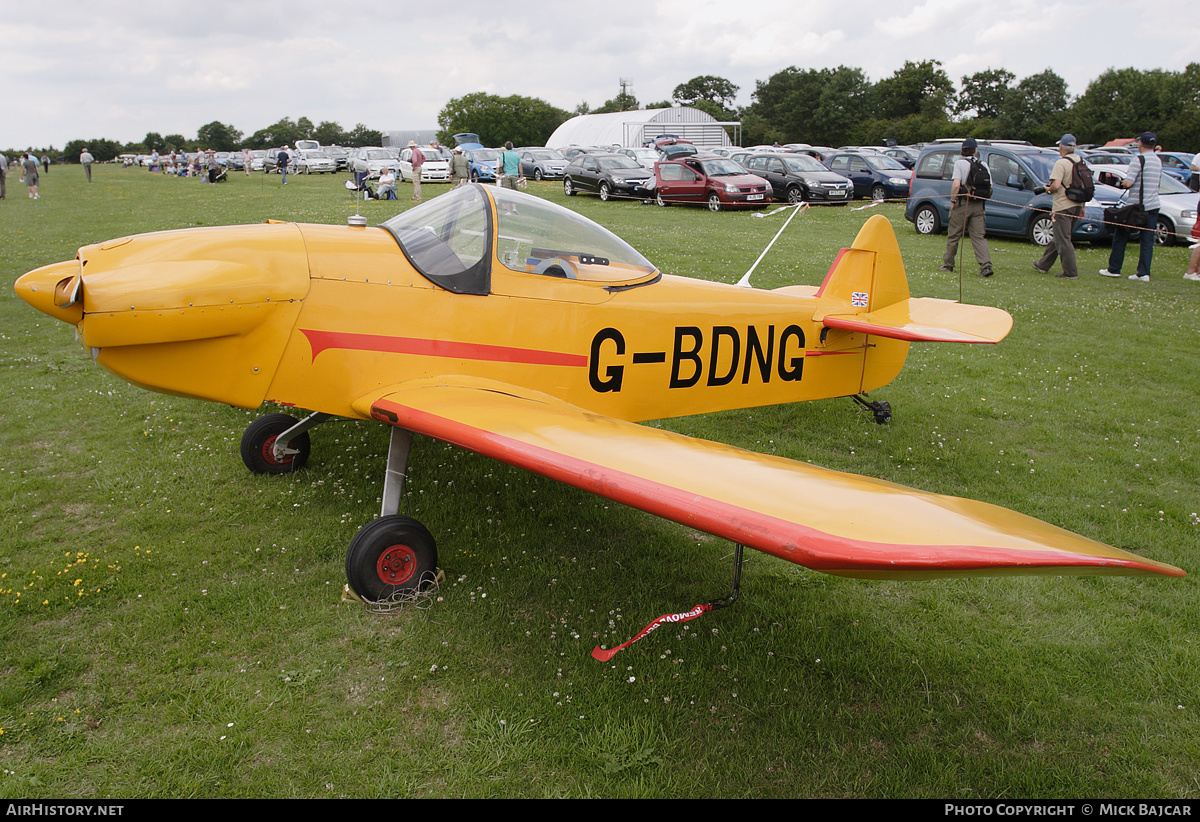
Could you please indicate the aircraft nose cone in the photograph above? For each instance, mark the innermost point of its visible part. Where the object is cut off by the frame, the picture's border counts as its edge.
(54, 290)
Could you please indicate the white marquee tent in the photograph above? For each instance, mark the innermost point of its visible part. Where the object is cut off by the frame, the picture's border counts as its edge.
(635, 128)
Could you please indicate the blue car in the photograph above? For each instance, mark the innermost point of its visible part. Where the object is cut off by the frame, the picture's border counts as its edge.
(1178, 164)
(483, 163)
(874, 175)
(1019, 205)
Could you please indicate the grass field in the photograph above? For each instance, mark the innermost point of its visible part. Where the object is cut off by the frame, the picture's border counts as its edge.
(172, 626)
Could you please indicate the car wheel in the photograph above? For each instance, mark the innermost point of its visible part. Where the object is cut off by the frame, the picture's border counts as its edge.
(474, 176)
(658, 198)
(795, 194)
(605, 192)
(1041, 230)
(714, 202)
(1165, 234)
(568, 187)
(927, 220)
(878, 193)
(537, 174)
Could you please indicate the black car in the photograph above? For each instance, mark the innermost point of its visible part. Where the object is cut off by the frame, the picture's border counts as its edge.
(609, 175)
(798, 178)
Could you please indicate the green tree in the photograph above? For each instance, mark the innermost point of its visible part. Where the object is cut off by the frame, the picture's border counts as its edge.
(218, 136)
(175, 142)
(360, 135)
(1035, 109)
(329, 134)
(624, 101)
(983, 92)
(525, 121)
(819, 106)
(916, 88)
(153, 141)
(717, 92)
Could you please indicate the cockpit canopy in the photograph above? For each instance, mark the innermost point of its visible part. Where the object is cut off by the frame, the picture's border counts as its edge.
(455, 239)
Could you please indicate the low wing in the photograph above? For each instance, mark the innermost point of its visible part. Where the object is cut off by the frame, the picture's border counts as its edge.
(825, 520)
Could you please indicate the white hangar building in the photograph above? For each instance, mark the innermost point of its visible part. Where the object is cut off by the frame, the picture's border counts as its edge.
(640, 126)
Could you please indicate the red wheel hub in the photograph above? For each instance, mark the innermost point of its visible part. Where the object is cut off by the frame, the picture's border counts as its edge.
(396, 565)
(268, 452)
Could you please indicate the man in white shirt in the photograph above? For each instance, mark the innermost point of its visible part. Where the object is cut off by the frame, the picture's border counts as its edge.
(1142, 179)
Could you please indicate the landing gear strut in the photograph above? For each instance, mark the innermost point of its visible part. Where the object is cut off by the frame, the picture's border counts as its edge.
(391, 556)
(881, 410)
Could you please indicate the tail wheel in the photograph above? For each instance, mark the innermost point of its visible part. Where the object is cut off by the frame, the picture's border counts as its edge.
(258, 446)
(393, 555)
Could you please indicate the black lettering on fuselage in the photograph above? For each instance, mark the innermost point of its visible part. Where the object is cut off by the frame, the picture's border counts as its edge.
(764, 355)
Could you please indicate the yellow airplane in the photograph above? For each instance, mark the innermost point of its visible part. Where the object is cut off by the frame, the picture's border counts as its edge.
(513, 327)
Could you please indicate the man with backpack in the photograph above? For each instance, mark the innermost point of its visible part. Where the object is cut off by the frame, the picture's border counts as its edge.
(971, 186)
(1072, 186)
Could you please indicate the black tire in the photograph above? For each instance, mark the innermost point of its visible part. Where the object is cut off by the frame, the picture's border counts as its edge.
(568, 187)
(474, 176)
(391, 555)
(927, 220)
(605, 191)
(795, 194)
(537, 174)
(878, 193)
(1041, 230)
(714, 202)
(658, 199)
(1165, 234)
(258, 443)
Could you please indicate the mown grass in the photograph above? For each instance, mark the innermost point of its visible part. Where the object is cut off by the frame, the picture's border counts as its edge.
(172, 625)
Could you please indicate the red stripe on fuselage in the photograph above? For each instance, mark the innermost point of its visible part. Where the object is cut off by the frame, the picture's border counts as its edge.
(325, 340)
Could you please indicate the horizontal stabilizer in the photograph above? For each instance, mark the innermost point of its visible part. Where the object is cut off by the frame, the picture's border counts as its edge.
(924, 319)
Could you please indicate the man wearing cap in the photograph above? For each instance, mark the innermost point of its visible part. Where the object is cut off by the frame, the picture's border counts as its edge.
(1142, 179)
(966, 214)
(1065, 212)
(418, 160)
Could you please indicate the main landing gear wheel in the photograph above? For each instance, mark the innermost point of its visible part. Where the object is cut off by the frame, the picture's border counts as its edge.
(392, 556)
(258, 446)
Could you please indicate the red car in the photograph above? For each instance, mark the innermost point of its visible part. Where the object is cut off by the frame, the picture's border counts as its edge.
(717, 181)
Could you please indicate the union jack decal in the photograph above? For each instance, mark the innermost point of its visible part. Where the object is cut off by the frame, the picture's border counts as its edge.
(858, 299)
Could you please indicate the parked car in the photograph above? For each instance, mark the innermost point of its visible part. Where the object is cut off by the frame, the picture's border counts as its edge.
(874, 175)
(1177, 204)
(435, 169)
(314, 161)
(339, 155)
(608, 175)
(257, 158)
(717, 181)
(904, 155)
(1178, 164)
(1019, 205)
(482, 162)
(645, 157)
(372, 160)
(798, 178)
(542, 163)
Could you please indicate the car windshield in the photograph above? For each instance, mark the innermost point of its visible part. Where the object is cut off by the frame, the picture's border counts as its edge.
(883, 162)
(1042, 164)
(545, 155)
(379, 154)
(722, 168)
(617, 162)
(803, 163)
(485, 155)
(1171, 185)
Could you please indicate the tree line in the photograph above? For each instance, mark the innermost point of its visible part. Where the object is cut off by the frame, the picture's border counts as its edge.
(918, 102)
(833, 107)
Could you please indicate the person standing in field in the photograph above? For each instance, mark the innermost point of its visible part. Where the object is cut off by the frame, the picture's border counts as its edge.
(418, 160)
(1142, 179)
(1064, 211)
(29, 165)
(86, 159)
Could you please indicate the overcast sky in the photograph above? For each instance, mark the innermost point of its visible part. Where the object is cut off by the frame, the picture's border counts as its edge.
(119, 69)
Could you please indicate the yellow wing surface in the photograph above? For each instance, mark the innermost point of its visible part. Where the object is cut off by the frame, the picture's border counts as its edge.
(825, 520)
